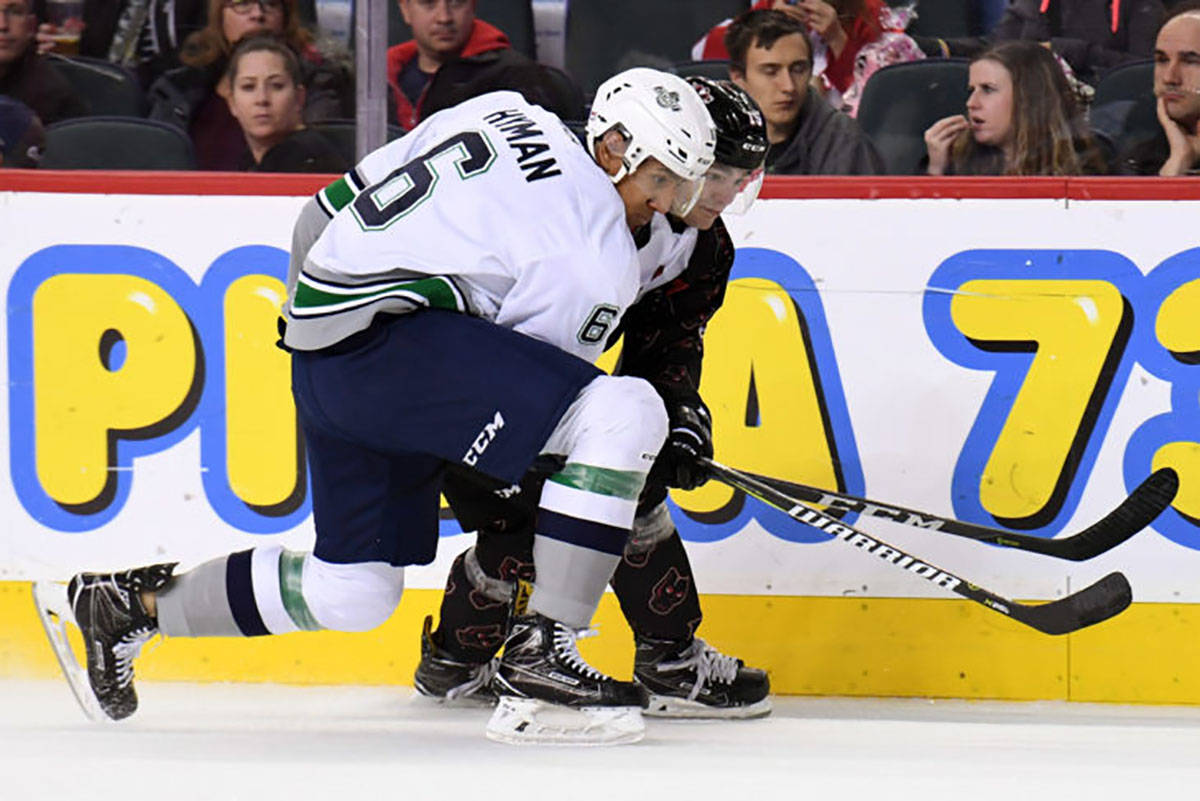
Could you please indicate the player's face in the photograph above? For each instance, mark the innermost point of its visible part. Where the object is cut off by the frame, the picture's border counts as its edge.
(652, 187)
(1177, 68)
(264, 98)
(440, 27)
(990, 103)
(777, 78)
(721, 185)
(17, 24)
(240, 18)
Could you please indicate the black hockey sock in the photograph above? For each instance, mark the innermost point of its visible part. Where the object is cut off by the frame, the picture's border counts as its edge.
(656, 591)
(474, 614)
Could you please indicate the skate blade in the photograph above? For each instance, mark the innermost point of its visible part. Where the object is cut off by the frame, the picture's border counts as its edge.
(666, 706)
(527, 721)
(50, 598)
(472, 701)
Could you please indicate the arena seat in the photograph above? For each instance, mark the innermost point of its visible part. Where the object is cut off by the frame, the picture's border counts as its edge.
(605, 36)
(901, 100)
(116, 143)
(1123, 109)
(341, 134)
(107, 89)
(948, 19)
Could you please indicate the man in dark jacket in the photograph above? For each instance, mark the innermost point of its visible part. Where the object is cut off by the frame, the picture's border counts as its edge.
(1090, 35)
(770, 58)
(453, 56)
(142, 35)
(25, 75)
(1175, 149)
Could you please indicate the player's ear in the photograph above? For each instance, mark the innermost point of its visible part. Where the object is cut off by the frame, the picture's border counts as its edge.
(610, 151)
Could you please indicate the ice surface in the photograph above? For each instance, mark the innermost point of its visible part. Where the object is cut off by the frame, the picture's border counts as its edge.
(267, 742)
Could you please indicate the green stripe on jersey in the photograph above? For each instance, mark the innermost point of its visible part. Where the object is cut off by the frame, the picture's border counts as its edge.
(291, 567)
(626, 484)
(436, 292)
(338, 194)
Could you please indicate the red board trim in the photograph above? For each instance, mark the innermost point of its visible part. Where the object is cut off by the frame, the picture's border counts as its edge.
(792, 187)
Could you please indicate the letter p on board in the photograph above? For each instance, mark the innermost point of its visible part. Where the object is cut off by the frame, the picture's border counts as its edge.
(114, 356)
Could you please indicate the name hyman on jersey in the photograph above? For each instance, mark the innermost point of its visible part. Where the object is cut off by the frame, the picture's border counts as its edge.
(517, 129)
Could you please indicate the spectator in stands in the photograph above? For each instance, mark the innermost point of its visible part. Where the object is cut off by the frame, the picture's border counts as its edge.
(770, 58)
(1090, 35)
(22, 137)
(27, 76)
(1022, 119)
(849, 39)
(195, 96)
(267, 99)
(1175, 149)
(454, 56)
(985, 14)
(142, 36)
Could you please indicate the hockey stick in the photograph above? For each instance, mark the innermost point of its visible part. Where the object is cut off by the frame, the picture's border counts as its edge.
(1147, 501)
(1098, 602)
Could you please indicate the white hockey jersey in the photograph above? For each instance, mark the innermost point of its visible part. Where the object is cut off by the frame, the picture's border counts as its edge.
(665, 253)
(491, 208)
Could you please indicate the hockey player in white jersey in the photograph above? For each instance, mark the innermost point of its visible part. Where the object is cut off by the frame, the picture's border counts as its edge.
(458, 285)
(685, 267)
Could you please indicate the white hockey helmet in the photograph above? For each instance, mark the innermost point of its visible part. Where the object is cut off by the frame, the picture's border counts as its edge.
(660, 116)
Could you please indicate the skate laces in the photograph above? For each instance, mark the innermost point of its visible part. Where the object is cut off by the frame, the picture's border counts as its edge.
(126, 650)
(708, 662)
(481, 677)
(567, 650)
(120, 598)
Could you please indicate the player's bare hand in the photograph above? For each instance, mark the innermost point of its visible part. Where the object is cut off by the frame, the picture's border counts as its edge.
(938, 139)
(1184, 147)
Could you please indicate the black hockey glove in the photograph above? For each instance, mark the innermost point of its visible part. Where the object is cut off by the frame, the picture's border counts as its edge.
(689, 437)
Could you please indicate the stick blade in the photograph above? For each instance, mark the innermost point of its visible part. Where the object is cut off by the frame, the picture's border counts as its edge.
(1143, 506)
(1106, 598)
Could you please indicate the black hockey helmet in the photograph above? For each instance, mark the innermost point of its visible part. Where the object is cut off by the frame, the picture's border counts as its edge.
(741, 132)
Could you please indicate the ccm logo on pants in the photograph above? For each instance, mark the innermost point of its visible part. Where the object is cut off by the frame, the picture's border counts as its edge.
(483, 440)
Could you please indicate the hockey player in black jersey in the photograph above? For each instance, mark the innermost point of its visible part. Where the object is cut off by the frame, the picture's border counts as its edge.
(685, 265)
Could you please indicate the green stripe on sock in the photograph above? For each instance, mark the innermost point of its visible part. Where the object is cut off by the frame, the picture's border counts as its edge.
(338, 194)
(291, 566)
(437, 293)
(625, 484)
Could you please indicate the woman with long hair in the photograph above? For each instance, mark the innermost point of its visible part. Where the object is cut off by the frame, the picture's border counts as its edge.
(266, 97)
(1022, 119)
(231, 20)
(195, 96)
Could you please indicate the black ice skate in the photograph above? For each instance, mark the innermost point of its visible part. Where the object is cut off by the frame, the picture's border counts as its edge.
(114, 624)
(445, 677)
(691, 679)
(549, 694)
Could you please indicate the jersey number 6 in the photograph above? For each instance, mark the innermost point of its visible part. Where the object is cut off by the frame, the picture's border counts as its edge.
(409, 186)
(598, 323)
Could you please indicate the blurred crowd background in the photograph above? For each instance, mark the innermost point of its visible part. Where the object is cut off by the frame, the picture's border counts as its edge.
(847, 87)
